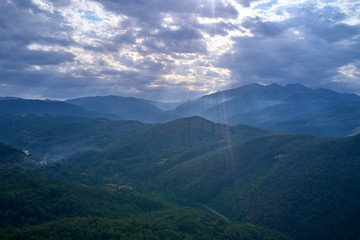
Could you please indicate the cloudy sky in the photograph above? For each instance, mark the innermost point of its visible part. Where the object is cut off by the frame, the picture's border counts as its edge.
(173, 50)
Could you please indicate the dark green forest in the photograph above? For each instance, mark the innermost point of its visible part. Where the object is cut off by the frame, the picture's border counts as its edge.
(269, 185)
(36, 208)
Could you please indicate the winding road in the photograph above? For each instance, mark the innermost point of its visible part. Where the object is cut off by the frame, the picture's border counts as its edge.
(215, 212)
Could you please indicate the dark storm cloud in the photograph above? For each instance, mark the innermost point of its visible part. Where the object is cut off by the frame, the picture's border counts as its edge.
(186, 38)
(182, 34)
(217, 9)
(21, 27)
(52, 84)
(268, 29)
(306, 49)
(175, 46)
(24, 78)
(145, 10)
(147, 64)
(246, 3)
(46, 83)
(129, 37)
(221, 28)
(129, 79)
(183, 40)
(22, 24)
(149, 16)
(60, 3)
(35, 57)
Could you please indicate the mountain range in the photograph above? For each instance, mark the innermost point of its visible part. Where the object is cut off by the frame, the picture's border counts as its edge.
(293, 108)
(56, 108)
(128, 108)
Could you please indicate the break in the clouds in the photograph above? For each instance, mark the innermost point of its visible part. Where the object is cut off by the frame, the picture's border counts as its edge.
(172, 50)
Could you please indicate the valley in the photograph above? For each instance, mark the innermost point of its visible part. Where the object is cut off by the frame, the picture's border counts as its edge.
(93, 177)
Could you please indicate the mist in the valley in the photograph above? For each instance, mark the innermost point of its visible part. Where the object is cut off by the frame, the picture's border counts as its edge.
(61, 152)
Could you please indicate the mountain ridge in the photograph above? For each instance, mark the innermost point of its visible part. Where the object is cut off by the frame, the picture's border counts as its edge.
(293, 108)
(252, 104)
(59, 108)
(128, 108)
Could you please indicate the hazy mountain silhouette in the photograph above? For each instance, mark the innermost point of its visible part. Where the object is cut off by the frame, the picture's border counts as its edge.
(291, 108)
(24, 106)
(127, 108)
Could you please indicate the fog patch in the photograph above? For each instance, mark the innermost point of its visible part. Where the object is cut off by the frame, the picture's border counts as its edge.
(60, 152)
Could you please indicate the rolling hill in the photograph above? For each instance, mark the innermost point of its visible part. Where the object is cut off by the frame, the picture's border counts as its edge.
(10, 155)
(301, 185)
(40, 208)
(161, 147)
(56, 137)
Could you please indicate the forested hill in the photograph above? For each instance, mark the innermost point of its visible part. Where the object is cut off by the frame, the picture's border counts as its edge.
(299, 184)
(33, 207)
(305, 186)
(9, 155)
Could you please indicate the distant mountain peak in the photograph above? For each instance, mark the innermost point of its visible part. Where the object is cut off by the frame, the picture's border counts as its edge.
(192, 119)
(273, 85)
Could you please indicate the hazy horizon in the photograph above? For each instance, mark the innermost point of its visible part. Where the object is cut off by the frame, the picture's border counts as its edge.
(161, 101)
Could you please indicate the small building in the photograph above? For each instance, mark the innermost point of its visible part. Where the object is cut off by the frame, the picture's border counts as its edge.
(125, 187)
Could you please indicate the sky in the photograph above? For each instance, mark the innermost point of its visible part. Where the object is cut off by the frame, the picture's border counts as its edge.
(170, 50)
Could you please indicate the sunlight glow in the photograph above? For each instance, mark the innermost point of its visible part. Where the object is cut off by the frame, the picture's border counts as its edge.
(350, 72)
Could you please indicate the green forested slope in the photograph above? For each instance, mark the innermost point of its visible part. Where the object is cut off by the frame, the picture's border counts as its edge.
(9, 155)
(33, 207)
(162, 147)
(299, 184)
(306, 186)
(36, 208)
(54, 138)
(302, 185)
(312, 192)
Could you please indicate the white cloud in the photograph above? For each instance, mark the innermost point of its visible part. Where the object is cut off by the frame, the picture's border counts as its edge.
(349, 73)
(196, 46)
(44, 5)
